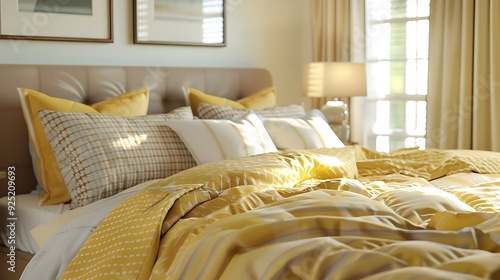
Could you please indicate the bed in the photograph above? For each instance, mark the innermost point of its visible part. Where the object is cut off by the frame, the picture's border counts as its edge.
(269, 194)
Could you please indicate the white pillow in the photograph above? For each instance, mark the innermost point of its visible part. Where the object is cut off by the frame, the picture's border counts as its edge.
(213, 140)
(308, 132)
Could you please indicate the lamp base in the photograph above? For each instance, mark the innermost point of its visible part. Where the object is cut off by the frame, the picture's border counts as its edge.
(336, 113)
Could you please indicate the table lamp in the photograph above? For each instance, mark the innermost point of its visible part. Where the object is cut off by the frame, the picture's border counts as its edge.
(336, 80)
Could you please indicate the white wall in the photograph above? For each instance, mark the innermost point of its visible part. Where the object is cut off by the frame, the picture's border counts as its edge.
(273, 34)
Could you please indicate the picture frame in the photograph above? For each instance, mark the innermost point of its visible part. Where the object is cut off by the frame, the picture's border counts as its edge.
(179, 22)
(69, 20)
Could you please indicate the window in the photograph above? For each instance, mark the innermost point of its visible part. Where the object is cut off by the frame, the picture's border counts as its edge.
(397, 36)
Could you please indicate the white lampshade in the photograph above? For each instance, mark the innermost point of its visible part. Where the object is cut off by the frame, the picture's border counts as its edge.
(336, 79)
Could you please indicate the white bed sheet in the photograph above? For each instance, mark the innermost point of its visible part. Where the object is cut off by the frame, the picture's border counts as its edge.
(29, 215)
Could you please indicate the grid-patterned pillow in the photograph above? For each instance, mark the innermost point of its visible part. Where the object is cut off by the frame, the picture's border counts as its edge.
(207, 111)
(48, 175)
(101, 155)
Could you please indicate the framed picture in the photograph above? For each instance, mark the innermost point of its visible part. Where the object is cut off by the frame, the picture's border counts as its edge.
(68, 20)
(179, 22)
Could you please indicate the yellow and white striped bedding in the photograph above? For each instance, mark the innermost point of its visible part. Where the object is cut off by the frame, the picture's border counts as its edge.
(345, 213)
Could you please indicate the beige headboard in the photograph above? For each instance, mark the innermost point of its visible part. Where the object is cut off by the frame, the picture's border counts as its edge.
(90, 84)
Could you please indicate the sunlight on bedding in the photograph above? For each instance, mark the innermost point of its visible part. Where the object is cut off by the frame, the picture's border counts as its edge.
(130, 142)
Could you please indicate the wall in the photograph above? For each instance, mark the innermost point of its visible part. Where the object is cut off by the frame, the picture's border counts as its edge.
(273, 34)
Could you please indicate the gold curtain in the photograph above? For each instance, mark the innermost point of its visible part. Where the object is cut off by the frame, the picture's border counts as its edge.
(331, 23)
(463, 102)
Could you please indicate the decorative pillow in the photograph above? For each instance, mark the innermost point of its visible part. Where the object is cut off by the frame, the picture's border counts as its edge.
(207, 111)
(101, 155)
(308, 132)
(49, 175)
(183, 113)
(262, 99)
(133, 103)
(213, 140)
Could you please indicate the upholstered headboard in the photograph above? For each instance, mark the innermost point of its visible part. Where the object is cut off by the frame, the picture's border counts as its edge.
(90, 84)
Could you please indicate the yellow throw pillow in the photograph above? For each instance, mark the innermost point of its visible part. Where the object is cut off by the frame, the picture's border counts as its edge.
(130, 104)
(49, 175)
(262, 99)
(194, 97)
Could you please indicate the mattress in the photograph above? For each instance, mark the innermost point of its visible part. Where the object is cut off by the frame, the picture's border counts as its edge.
(29, 215)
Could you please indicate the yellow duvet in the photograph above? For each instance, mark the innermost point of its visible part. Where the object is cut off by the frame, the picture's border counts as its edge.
(346, 213)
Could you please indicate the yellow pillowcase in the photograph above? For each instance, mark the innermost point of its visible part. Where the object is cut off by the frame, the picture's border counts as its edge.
(130, 104)
(265, 98)
(133, 103)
